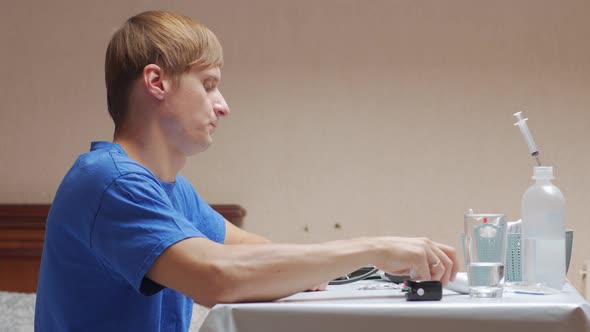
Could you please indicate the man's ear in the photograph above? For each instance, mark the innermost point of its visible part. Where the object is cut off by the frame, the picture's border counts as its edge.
(153, 80)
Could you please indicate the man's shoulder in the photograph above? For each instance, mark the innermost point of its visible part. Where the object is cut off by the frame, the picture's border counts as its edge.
(93, 174)
(184, 183)
(108, 162)
(95, 171)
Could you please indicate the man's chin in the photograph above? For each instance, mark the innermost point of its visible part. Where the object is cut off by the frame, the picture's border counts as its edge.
(199, 148)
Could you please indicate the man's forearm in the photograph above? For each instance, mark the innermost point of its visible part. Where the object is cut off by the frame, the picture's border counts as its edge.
(213, 273)
(271, 271)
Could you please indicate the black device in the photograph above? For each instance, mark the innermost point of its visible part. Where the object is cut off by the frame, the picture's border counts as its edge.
(423, 290)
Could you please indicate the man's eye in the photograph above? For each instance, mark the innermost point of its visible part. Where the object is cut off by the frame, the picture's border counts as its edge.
(209, 86)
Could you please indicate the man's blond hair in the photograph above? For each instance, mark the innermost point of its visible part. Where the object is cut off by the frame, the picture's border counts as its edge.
(174, 42)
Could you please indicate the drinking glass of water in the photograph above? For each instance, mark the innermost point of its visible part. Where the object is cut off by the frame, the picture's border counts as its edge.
(485, 253)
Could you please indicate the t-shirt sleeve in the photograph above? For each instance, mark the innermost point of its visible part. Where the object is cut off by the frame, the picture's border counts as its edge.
(205, 218)
(213, 223)
(135, 223)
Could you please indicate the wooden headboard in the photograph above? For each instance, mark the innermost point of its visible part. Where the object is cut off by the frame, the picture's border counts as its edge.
(22, 230)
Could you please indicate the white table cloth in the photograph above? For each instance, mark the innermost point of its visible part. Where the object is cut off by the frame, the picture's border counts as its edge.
(347, 308)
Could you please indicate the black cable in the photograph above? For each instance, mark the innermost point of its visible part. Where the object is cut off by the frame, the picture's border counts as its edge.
(349, 280)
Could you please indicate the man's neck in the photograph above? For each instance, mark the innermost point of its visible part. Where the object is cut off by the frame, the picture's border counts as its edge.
(154, 154)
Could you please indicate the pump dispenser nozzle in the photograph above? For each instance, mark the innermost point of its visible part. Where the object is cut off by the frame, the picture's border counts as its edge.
(526, 134)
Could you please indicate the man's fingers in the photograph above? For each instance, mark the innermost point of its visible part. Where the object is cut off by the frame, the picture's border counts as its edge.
(452, 255)
(422, 267)
(442, 270)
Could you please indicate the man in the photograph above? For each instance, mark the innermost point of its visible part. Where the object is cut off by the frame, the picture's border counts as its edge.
(129, 243)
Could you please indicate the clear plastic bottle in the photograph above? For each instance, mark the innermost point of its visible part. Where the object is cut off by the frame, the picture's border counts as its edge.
(543, 232)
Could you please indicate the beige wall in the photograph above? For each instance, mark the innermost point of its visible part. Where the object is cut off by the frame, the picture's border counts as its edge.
(385, 117)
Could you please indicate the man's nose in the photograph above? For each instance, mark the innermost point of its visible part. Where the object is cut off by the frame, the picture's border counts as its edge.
(220, 107)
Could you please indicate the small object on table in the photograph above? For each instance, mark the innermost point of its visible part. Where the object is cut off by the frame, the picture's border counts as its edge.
(423, 290)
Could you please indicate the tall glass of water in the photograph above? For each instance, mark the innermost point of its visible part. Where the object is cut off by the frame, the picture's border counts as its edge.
(485, 254)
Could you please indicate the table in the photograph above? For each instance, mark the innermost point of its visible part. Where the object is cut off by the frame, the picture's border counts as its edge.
(347, 308)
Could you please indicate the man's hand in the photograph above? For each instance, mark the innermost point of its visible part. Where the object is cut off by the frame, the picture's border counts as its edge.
(420, 258)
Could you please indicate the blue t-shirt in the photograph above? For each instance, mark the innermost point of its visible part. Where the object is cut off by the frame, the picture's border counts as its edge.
(109, 222)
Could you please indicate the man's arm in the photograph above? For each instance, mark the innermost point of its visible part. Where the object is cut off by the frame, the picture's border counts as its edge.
(236, 235)
(213, 273)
